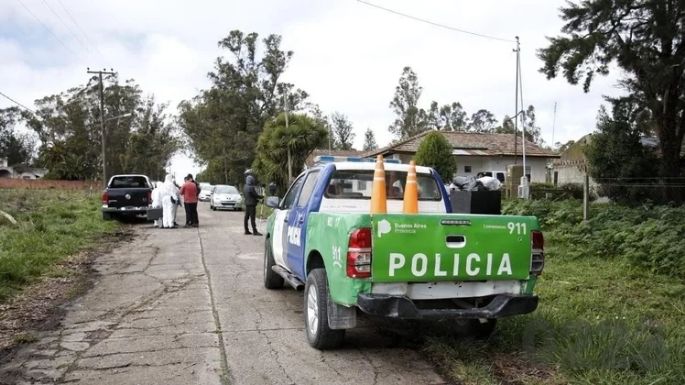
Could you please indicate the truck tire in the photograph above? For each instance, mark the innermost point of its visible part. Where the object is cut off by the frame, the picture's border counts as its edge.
(107, 216)
(271, 279)
(316, 298)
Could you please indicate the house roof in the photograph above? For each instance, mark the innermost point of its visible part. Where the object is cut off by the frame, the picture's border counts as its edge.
(469, 143)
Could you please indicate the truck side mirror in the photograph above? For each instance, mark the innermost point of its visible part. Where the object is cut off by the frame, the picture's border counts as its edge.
(272, 201)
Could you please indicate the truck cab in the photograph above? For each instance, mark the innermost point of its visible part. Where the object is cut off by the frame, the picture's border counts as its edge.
(430, 265)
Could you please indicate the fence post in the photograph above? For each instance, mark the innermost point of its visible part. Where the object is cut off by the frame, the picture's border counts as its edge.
(586, 196)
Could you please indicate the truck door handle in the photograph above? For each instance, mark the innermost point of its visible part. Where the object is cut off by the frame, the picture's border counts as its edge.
(455, 241)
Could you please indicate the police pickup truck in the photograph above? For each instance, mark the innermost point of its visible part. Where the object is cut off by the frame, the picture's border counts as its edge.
(432, 264)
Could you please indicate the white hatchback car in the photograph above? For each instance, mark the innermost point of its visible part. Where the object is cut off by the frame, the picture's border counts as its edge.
(225, 197)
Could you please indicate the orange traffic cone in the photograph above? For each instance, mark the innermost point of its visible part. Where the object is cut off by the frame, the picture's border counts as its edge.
(378, 198)
(411, 193)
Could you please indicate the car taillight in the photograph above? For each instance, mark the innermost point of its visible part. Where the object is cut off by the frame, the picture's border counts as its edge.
(359, 253)
(105, 198)
(537, 258)
(149, 197)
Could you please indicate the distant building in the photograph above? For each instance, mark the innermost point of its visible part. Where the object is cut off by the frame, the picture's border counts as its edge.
(572, 164)
(20, 171)
(487, 153)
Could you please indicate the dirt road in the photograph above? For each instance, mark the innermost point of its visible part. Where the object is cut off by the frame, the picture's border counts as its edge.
(187, 306)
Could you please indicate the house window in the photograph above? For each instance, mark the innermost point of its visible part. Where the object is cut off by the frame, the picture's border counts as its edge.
(467, 169)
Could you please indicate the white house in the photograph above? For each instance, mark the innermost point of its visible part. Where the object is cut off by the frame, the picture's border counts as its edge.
(20, 171)
(475, 153)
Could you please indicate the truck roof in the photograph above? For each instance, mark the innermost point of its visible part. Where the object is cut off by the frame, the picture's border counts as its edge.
(372, 166)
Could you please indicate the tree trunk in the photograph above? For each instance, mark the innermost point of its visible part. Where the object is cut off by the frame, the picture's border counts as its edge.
(670, 169)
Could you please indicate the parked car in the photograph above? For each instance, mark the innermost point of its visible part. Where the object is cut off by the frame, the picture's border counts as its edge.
(225, 197)
(127, 195)
(206, 190)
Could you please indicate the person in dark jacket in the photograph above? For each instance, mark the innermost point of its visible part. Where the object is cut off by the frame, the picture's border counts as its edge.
(251, 198)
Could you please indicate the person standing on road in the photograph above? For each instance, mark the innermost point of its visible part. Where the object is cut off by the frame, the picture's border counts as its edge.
(251, 198)
(169, 197)
(157, 201)
(190, 192)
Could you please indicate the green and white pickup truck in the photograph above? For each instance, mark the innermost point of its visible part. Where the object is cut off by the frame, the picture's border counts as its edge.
(431, 265)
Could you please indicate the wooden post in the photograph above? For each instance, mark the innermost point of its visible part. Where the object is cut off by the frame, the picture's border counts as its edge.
(586, 196)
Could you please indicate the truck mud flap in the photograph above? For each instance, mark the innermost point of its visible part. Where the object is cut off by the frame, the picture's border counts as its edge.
(502, 305)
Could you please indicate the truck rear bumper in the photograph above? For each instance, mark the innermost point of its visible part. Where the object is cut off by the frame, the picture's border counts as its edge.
(502, 305)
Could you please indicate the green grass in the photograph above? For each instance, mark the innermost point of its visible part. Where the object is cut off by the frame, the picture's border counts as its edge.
(601, 320)
(52, 225)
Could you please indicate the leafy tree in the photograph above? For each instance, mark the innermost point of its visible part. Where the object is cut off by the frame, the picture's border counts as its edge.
(617, 158)
(222, 124)
(454, 117)
(68, 126)
(645, 40)
(281, 151)
(436, 151)
(369, 140)
(411, 120)
(482, 121)
(16, 148)
(342, 130)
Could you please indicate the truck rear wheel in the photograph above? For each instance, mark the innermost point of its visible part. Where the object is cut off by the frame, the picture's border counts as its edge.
(107, 216)
(271, 279)
(316, 297)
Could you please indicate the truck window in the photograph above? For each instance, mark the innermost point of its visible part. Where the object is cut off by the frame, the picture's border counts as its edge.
(290, 196)
(129, 182)
(307, 188)
(356, 184)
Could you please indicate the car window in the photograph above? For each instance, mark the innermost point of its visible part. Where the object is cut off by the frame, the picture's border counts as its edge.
(225, 190)
(307, 188)
(356, 184)
(290, 196)
(129, 182)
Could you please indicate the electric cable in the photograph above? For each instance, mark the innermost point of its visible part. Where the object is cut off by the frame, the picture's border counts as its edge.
(435, 24)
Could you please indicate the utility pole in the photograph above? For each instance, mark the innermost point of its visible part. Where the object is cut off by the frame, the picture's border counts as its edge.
(290, 163)
(102, 120)
(554, 122)
(516, 98)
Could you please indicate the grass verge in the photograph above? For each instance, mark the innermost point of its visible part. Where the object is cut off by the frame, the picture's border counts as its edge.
(601, 320)
(51, 225)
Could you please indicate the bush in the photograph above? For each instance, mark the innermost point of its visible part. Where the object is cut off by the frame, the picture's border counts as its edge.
(436, 152)
(648, 237)
(561, 192)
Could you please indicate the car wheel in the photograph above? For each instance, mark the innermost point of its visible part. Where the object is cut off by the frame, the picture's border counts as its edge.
(212, 207)
(271, 279)
(316, 297)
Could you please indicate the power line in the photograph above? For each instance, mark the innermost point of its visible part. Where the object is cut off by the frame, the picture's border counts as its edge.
(78, 26)
(46, 27)
(65, 24)
(454, 29)
(17, 103)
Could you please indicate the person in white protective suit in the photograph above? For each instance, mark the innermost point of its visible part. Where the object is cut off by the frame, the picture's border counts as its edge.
(157, 201)
(169, 194)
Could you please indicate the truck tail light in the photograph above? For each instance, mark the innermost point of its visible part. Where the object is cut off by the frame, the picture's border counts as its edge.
(105, 198)
(149, 197)
(359, 253)
(537, 258)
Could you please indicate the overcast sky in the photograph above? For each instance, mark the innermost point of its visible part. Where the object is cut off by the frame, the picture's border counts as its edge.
(348, 56)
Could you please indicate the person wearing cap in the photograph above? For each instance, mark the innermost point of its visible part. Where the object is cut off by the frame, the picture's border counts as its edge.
(251, 198)
(190, 192)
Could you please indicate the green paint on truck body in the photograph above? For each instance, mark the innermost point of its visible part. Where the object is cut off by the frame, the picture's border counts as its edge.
(451, 247)
(424, 248)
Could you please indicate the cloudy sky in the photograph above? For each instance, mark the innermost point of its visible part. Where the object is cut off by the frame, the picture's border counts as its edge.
(348, 55)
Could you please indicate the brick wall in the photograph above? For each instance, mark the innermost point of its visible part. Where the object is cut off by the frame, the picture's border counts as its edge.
(43, 184)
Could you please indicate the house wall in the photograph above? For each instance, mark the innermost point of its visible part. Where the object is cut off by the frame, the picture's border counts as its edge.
(536, 165)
